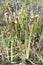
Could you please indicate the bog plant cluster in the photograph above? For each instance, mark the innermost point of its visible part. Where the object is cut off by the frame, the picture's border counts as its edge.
(18, 34)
